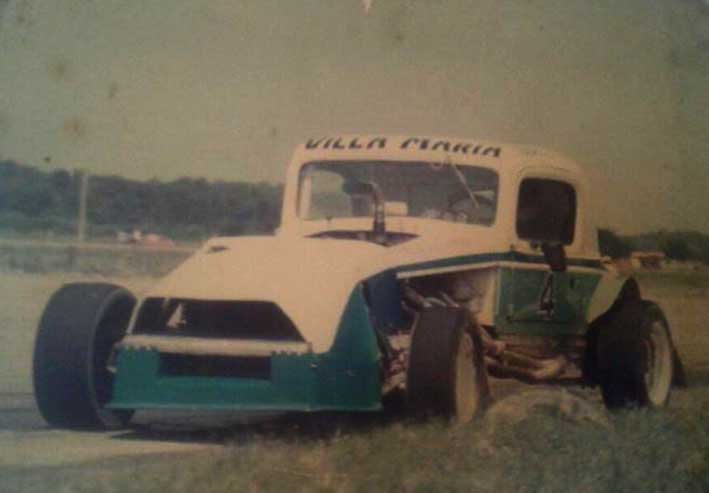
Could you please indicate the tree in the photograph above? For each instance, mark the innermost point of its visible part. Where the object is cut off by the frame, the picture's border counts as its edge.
(676, 248)
(612, 245)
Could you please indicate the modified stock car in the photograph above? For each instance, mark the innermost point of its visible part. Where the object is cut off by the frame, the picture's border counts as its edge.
(408, 265)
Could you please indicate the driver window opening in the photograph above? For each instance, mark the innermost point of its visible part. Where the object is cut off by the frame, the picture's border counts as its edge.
(546, 211)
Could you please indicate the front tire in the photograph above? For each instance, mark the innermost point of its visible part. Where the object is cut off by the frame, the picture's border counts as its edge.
(636, 357)
(77, 332)
(446, 373)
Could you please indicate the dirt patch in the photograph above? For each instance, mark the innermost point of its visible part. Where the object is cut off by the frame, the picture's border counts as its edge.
(570, 405)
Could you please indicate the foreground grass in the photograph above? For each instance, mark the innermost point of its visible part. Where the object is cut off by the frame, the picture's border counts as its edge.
(546, 451)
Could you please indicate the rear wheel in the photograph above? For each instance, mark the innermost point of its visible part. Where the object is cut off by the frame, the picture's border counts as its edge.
(446, 373)
(77, 332)
(636, 357)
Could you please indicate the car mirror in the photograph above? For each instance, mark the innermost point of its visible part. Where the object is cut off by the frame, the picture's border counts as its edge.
(555, 256)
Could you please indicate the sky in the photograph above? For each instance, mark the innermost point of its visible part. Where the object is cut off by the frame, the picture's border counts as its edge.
(224, 89)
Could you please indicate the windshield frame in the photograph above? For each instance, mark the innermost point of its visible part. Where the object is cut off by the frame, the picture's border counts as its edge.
(488, 175)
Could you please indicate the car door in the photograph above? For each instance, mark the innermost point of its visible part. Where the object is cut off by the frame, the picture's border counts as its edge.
(541, 299)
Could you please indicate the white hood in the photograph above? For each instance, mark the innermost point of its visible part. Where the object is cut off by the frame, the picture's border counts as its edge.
(310, 279)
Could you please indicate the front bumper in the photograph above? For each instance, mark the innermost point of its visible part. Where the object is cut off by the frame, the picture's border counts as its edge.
(295, 382)
(345, 378)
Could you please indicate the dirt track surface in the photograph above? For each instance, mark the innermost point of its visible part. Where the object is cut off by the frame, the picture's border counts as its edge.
(26, 442)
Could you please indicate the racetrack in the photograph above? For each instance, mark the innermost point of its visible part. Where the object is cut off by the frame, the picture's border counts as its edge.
(27, 443)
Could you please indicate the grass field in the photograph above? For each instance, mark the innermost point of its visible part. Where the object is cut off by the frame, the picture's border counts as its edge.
(542, 439)
(106, 259)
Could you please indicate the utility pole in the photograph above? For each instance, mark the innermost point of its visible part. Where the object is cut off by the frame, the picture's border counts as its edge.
(83, 196)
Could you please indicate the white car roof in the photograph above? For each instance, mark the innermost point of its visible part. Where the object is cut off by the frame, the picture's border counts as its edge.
(503, 157)
(510, 161)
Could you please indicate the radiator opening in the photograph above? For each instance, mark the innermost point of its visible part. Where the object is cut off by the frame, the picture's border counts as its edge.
(256, 320)
(188, 365)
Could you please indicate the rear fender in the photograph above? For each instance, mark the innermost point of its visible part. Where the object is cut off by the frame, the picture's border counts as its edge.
(610, 290)
(610, 293)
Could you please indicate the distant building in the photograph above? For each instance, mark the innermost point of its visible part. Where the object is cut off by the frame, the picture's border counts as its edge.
(141, 239)
(648, 260)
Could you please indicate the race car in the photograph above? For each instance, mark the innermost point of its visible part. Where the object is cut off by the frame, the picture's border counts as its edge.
(403, 265)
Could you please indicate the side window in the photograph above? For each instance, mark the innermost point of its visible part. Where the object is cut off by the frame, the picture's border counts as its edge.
(546, 211)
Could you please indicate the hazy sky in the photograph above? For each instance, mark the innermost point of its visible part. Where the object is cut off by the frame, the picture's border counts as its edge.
(224, 89)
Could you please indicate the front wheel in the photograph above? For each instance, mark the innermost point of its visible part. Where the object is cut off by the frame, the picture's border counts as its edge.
(446, 374)
(636, 359)
(77, 332)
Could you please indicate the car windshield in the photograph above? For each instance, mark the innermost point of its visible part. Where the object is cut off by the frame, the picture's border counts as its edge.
(442, 191)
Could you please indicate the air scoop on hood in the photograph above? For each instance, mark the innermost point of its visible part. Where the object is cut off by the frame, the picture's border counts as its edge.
(210, 319)
(387, 239)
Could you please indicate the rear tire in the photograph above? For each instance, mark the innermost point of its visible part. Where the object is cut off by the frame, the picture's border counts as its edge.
(635, 357)
(446, 373)
(76, 334)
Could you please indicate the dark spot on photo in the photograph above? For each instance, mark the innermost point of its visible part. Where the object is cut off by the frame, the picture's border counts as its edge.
(59, 69)
(113, 90)
(75, 127)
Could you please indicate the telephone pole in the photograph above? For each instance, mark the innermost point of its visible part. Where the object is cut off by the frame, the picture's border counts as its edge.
(83, 196)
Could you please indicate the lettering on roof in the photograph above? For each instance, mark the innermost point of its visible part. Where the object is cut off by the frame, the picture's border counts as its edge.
(410, 143)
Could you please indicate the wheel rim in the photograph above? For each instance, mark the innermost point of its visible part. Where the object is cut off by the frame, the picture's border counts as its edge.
(658, 369)
(466, 390)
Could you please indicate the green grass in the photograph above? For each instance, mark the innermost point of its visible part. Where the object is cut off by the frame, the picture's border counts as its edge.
(639, 451)
(38, 257)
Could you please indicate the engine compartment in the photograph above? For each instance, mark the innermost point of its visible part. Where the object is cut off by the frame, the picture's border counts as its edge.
(530, 359)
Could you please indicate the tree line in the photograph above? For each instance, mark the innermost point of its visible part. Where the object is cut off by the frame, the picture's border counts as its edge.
(36, 201)
(676, 245)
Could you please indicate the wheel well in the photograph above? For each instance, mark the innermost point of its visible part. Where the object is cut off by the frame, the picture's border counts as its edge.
(630, 291)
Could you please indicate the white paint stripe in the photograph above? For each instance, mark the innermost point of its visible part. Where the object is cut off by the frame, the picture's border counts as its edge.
(215, 347)
(487, 265)
(545, 267)
(450, 268)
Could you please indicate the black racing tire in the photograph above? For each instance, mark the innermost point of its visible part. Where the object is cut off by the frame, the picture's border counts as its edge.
(77, 331)
(679, 378)
(446, 372)
(635, 357)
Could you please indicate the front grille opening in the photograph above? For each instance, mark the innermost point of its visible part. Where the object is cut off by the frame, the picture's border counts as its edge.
(257, 320)
(188, 365)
